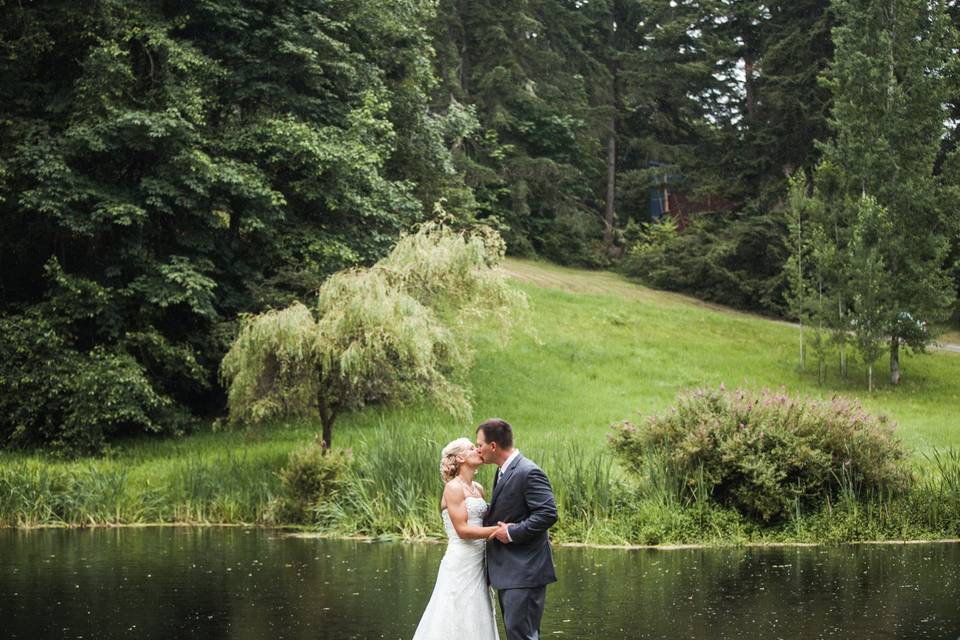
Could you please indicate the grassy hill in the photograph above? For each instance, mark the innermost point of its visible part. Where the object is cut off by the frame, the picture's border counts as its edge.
(598, 349)
(611, 349)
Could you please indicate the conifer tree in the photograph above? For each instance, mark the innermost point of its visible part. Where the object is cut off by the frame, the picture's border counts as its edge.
(870, 318)
(889, 90)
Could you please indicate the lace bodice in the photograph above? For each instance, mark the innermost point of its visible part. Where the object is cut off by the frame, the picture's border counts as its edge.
(476, 509)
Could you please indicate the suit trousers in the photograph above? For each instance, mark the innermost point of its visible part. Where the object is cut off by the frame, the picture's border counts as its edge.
(522, 611)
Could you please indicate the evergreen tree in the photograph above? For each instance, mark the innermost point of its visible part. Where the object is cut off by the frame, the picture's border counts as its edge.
(800, 292)
(793, 106)
(888, 83)
(674, 116)
(520, 66)
(869, 317)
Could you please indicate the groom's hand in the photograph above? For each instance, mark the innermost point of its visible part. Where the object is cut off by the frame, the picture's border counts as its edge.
(501, 533)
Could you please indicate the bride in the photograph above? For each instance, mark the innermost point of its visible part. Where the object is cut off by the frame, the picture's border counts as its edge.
(461, 605)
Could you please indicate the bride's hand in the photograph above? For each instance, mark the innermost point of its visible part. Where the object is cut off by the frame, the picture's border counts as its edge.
(501, 533)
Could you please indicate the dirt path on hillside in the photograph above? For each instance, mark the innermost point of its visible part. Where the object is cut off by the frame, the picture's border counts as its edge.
(608, 283)
(604, 283)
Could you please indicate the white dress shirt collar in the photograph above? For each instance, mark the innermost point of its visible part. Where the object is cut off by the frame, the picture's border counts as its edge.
(506, 463)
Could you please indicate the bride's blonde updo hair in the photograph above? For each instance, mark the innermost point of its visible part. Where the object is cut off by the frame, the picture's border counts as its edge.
(448, 458)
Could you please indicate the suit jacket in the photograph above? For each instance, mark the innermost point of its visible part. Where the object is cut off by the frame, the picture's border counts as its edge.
(522, 496)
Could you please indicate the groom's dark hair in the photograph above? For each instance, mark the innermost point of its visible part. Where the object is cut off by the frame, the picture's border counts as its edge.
(497, 430)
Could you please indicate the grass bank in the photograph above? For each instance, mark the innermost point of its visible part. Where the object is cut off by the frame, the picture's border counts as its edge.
(600, 350)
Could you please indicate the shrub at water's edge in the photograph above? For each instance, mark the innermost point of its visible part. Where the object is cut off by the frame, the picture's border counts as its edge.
(313, 477)
(767, 454)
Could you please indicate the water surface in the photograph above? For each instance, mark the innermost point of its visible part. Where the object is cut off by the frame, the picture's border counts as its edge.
(174, 583)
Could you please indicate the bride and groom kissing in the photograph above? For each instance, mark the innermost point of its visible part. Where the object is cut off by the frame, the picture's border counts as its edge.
(501, 544)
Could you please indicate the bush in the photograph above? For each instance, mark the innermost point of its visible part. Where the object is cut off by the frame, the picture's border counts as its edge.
(312, 479)
(767, 454)
(574, 239)
(733, 259)
(70, 400)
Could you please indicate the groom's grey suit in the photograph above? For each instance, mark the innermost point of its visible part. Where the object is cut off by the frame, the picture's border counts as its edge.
(521, 570)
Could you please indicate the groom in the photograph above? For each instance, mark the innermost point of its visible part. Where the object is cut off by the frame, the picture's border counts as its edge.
(519, 561)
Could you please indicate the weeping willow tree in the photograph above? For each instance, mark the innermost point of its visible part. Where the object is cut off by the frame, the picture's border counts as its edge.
(388, 334)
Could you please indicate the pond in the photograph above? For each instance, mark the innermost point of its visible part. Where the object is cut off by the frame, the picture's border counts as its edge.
(175, 583)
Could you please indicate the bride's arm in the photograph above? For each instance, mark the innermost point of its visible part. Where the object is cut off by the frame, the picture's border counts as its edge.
(457, 508)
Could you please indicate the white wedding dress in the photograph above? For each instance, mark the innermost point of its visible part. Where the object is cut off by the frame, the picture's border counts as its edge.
(461, 606)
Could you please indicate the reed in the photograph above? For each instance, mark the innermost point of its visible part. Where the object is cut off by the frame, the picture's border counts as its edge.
(394, 493)
(396, 486)
(233, 487)
(583, 481)
(28, 494)
(194, 489)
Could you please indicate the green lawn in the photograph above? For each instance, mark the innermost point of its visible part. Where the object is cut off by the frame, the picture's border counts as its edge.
(611, 350)
(598, 350)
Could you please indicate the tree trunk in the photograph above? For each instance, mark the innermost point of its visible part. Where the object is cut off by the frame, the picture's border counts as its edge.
(327, 417)
(821, 359)
(749, 87)
(464, 70)
(842, 335)
(327, 433)
(611, 184)
(894, 360)
(801, 290)
(803, 363)
(870, 378)
(615, 44)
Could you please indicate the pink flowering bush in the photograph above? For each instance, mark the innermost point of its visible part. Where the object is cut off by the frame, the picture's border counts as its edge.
(767, 453)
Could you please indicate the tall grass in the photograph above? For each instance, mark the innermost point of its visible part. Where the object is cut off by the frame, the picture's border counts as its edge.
(395, 490)
(396, 485)
(35, 494)
(396, 482)
(583, 481)
(929, 509)
(227, 488)
(223, 489)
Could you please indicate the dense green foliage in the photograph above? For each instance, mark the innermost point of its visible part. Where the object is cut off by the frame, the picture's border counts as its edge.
(766, 454)
(51, 393)
(736, 260)
(165, 166)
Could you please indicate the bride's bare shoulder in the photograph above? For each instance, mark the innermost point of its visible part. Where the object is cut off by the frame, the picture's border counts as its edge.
(450, 495)
(453, 488)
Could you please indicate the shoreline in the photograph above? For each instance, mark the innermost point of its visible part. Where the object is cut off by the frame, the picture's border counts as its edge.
(308, 535)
